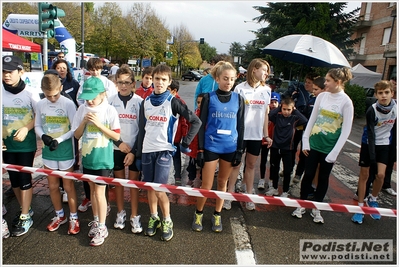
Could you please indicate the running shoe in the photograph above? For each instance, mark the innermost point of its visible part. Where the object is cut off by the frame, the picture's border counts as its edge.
(217, 223)
(250, 206)
(261, 184)
(93, 226)
(373, 204)
(56, 222)
(86, 203)
(357, 218)
(22, 226)
(153, 225)
(4, 229)
(167, 230)
(197, 223)
(99, 236)
(74, 227)
(298, 212)
(136, 224)
(120, 220)
(272, 192)
(296, 179)
(227, 204)
(390, 191)
(16, 218)
(317, 216)
(284, 194)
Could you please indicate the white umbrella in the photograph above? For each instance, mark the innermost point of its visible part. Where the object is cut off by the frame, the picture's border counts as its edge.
(308, 50)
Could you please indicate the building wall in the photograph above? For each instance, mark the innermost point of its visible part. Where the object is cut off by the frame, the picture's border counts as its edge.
(372, 56)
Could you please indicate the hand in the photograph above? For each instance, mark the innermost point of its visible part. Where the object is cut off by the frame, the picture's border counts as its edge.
(184, 149)
(269, 141)
(21, 134)
(125, 148)
(200, 159)
(129, 158)
(53, 145)
(236, 159)
(92, 117)
(305, 152)
(47, 139)
(138, 164)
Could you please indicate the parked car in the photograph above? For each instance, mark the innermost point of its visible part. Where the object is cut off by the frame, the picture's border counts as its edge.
(370, 98)
(191, 75)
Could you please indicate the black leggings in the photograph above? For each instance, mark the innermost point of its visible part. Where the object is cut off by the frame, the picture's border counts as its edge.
(20, 179)
(263, 161)
(276, 155)
(314, 158)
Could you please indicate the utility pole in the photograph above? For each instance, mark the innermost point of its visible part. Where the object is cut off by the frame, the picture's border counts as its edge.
(82, 32)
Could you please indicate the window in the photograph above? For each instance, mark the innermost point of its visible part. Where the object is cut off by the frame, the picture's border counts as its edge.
(386, 36)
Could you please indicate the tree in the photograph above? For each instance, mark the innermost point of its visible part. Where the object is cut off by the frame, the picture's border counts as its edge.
(325, 20)
(207, 52)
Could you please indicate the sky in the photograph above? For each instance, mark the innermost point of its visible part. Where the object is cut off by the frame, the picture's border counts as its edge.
(219, 22)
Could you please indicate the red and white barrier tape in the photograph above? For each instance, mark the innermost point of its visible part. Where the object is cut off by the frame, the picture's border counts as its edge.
(196, 192)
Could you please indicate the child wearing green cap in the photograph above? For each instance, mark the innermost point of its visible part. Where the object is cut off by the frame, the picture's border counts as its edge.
(97, 123)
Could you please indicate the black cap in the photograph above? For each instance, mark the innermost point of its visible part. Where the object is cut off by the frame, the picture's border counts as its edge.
(52, 71)
(11, 63)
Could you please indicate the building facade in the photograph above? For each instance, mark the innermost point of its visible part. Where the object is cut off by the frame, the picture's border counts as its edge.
(377, 50)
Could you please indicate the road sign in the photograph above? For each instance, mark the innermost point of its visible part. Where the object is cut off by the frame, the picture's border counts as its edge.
(33, 34)
(168, 55)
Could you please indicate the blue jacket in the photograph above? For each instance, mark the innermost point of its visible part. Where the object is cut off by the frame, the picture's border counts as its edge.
(301, 97)
(206, 85)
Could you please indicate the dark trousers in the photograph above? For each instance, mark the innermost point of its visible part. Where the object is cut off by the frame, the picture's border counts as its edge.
(300, 167)
(177, 161)
(276, 155)
(297, 139)
(314, 158)
(192, 169)
(263, 160)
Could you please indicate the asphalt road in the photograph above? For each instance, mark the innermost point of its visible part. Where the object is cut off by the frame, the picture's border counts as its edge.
(267, 236)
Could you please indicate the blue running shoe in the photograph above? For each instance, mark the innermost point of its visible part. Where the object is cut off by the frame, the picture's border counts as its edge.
(357, 218)
(22, 227)
(373, 204)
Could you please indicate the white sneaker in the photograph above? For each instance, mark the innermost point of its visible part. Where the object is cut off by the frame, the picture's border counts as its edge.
(4, 229)
(390, 191)
(120, 220)
(65, 197)
(317, 216)
(298, 212)
(250, 206)
(99, 236)
(270, 184)
(227, 204)
(93, 226)
(261, 184)
(136, 225)
(284, 194)
(272, 192)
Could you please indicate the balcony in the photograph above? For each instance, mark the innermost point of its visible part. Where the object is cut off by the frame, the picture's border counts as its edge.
(364, 21)
(390, 50)
(360, 54)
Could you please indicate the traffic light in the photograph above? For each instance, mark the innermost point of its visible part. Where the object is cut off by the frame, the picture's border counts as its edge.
(201, 40)
(47, 14)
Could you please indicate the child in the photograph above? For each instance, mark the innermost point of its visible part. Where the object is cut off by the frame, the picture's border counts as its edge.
(285, 119)
(220, 139)
(256, 95)
(318, 87)
(274, 103)
(127, 105)
(194, 173)
(95, 66)
(180, 133)
(327, 130)
(53, 126)
(374, 151)
(97, 123)
(146, 87)
(18, 106)
(158, 122)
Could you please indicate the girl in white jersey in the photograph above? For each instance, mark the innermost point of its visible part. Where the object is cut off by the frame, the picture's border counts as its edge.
(127, 103)
(256, 95)
(53, 125)
(327, 130)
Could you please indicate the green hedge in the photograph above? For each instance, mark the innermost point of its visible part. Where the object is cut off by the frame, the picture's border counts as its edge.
(358, 96)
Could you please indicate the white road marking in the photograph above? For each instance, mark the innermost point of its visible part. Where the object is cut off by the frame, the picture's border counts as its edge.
(353, 143)
(244, 253)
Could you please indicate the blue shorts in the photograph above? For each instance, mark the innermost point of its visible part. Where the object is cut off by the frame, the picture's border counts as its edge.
(156, 166)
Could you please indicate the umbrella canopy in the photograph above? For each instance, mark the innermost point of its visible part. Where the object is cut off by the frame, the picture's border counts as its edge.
(12, 42)
(308, 50)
